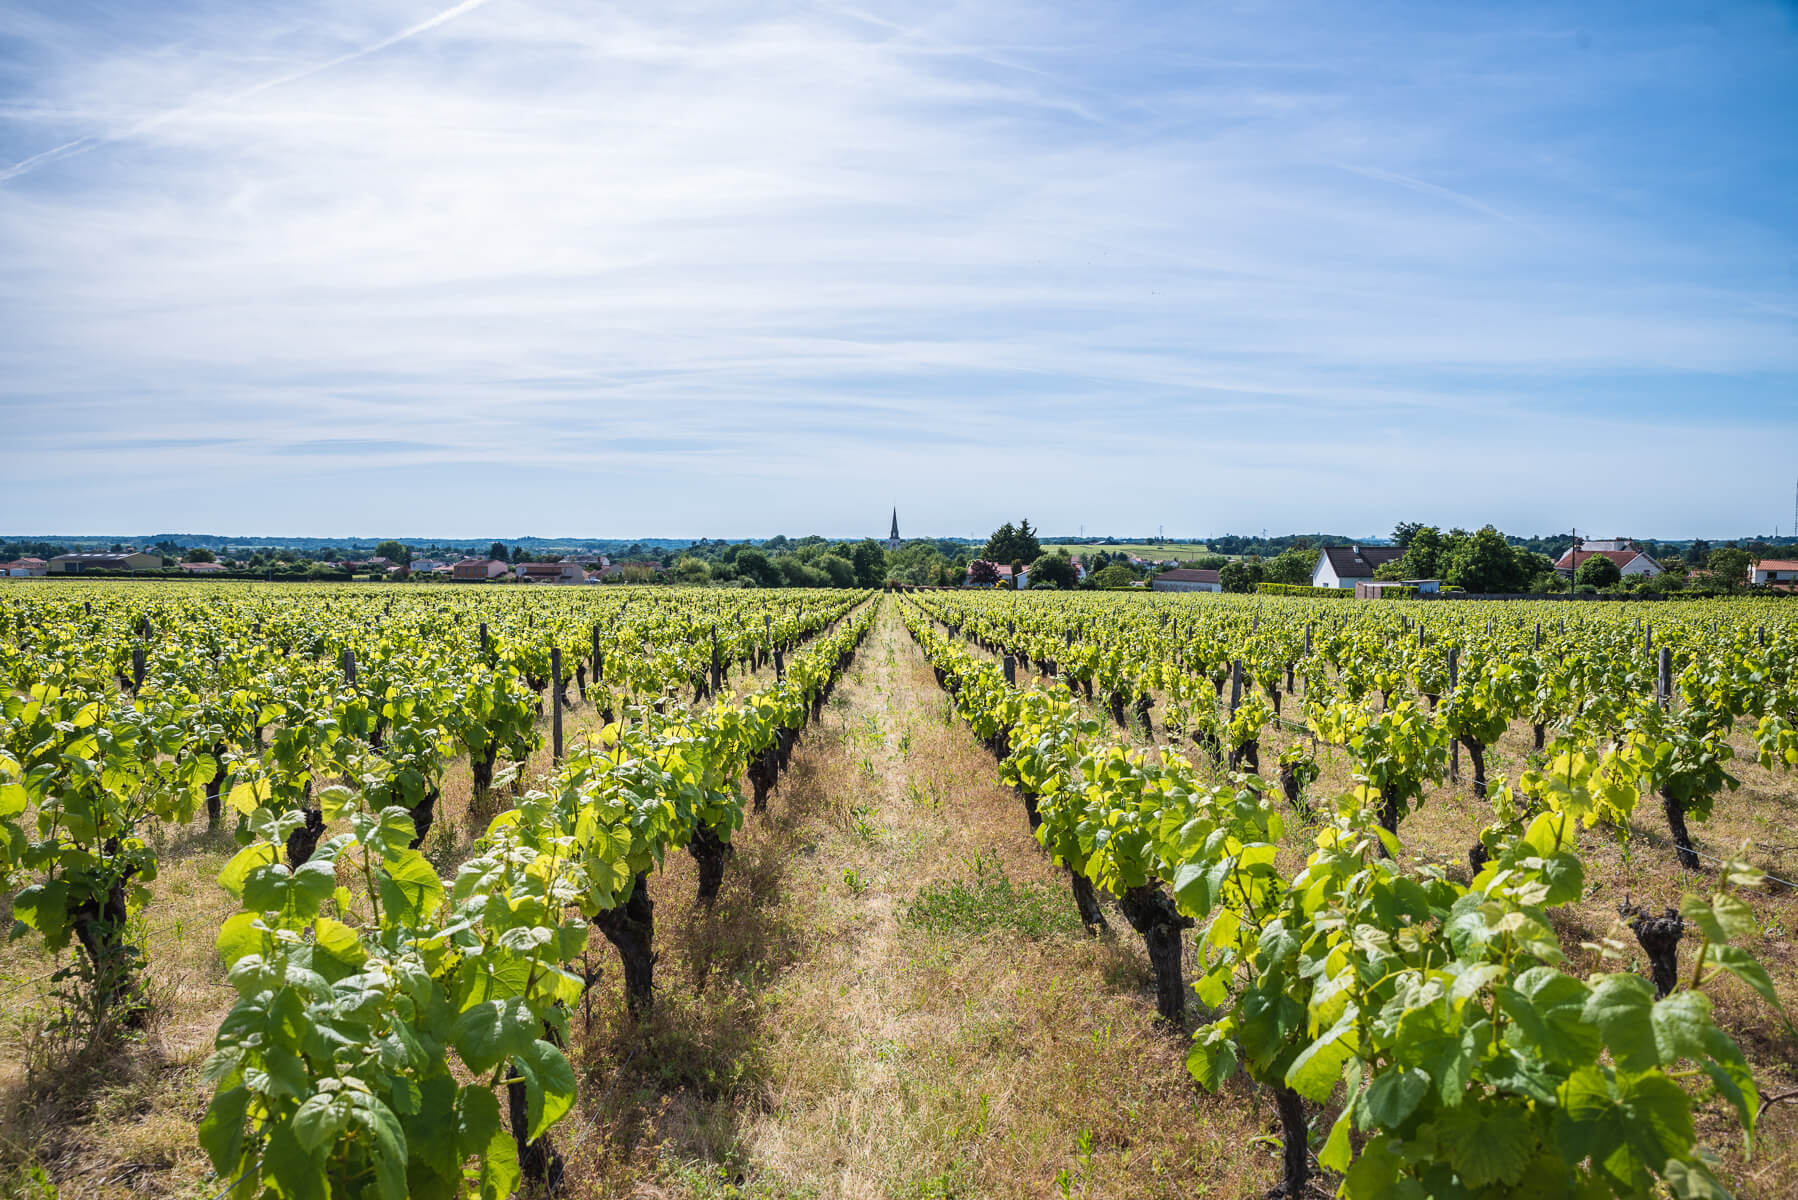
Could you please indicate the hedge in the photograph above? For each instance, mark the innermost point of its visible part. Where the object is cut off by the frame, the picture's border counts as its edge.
(1302, 589)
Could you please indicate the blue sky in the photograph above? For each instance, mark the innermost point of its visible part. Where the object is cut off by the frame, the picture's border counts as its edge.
(503, 267)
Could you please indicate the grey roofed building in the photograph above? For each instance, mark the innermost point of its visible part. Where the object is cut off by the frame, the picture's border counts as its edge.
(1341, 566)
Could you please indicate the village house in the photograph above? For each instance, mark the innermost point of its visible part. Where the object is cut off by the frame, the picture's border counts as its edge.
(1780, 574)
(1342, 566)
(478, 570)
(566, 571)
(1629, 560)
(1187, 579)
(22, 568)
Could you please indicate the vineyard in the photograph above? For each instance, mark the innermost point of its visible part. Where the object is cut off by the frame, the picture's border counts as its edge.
(790, 893)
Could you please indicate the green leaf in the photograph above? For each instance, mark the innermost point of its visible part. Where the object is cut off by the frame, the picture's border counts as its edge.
(249, 795)
(1337, 1153)
(298, 1172)
(494, 1030)
(1691, 1181)
(221, 1129)
(238, 937)
(1723, 918)
(410, 888)
(1680, 1022)
(320, 1119)
(1391, 1098)
(1746, 967)
(339, 941)
(1315, 1073)
(1487, 1143)
(549, 1086)
(1620, 1006)
(45, 908)
(1212, 1059)
(257, 854)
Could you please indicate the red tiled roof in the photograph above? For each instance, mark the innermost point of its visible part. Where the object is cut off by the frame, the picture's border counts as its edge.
(1573, 558)
(1777, 564)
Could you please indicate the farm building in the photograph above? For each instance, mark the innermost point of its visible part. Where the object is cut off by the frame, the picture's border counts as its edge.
(556, 572)
(204, 568)
(1342, 566)
(478, 570)
(130, 560)
(24, 567)
(1381, 589)
(1187, 580)
(1775, 572)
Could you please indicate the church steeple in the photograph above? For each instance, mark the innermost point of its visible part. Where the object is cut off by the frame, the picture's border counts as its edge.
(893, 537)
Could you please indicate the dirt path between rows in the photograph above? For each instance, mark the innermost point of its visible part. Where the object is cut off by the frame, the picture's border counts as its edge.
(893, 997)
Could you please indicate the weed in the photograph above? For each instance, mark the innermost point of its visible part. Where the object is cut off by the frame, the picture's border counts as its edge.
(990, 902)
(855, 883)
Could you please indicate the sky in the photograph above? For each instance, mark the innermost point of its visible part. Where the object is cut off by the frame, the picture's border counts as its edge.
(550, 267)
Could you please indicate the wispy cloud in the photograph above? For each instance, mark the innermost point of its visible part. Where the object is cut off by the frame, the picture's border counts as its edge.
(713, 267)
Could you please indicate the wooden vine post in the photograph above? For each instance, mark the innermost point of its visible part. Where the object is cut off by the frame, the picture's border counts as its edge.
(555, 699)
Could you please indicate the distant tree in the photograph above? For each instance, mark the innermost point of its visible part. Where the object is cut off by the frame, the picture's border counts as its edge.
(1292, 566)
(1017, 568)
(1112, 576)
(1730, 565)
(518, 555)
(754, 566)
(1403, 532)
(982, 572)
(393, 551)
(1009, 543)
(1598, 572)
(691, 570)
(199, 554)
(1698, 554)
(1240, 576)
(1426, 554)
(795, 573)
(1483, 562)
(1057, 569)
(870, 563)
(841, 571)
(1207, 562)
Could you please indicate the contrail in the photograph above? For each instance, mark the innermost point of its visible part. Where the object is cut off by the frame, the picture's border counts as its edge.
(1436, 189)
(84, 144)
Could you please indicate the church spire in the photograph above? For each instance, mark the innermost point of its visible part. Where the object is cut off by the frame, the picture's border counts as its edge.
(893, 537)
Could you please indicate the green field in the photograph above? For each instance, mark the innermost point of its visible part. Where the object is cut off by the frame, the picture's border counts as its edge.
(1150, 550)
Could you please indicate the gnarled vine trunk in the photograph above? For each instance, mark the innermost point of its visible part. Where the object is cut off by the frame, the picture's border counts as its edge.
(424, 815)
(1295, 1153)
(538, 1161)
(214, 808)
(631, 928)
(1682, 840)
(1151, 913)
(1476, 754)
(1087, 901)
(100, 928)
(1659, 938)
(304, 840)
(709, 851)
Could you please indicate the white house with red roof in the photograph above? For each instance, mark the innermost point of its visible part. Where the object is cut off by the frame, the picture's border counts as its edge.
(1630, 561)
(1780, 573)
